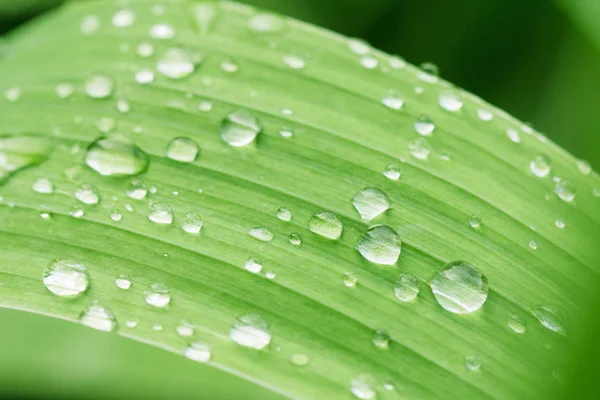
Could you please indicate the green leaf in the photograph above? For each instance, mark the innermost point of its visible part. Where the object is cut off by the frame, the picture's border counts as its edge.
(330, 116)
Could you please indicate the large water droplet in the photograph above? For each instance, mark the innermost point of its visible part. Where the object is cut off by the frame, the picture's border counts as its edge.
(240, 128)
(42, 185)
(158, 295)
(419, 148)
(191, 223)
(326, 224)
(123, 282)
(380, 245)
(98, 317)
(182, 149)
(262, 234)
(99, 87)
(566, 191)
(251, 331)
(370, 203)
(550, 318)
(87, 194)
(136, 190)
(116, 156)
(18, 152)
(66, 277)
(363, 387)
(460, 287)
(176, 63)
(406, 288)
(160, 213)
(198, 351)
(540, 166)
(284, 214)
(424, 126)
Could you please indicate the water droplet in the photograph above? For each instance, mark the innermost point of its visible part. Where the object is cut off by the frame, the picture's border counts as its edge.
(369, 62)
(87, 194)
(123, 18)
(240, 128)
(253, 265)
(350, 279)
(160, 213)
(262, 234)
(533, 245)
(300, 360)
(370, 203)
(584, 167)
(392, 172)
(66, 277)
(397, 62)
(136, 190)
(123, 282)
(44, 215)
(406, 288)
(380, 244)
(424, 126)
(363, 387)
(419, 148)
(76, 212)
(64, 90)
(596, 192)
(393, 100)
(197, 351)
(105, 125)
(294, 62)
(158, 295)
(429, 73)
(566, 191)
(513, 135)
(191, 223)
(550, 318)
(157, 327)
(182, 149)
(271, 275)
(266, 23)
(98, 317)
(251, 331)
(144, 76)
(451, 100)
(516, 324)
(176, 63)
(460, 287)
(99, 87)
(145, 49)
(42, 185)
(116, 215)
(162, 31)
(131, 324)
(89, 24)
(12, 94)
(485, 115)
(185, 328)
(560, 223)
(475, 221)
(326, 224)
(284, 214)
(205, 106)
(381, 339)
(295, 239)
(229, 67)
(540, 166)
(473, 363)
(116, 156)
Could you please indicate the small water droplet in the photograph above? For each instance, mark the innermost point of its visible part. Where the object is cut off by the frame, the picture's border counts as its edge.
(240, 128)
(460, 287)
(560, 223)
(229, 67)
(42, 185)
(326, 224)
(370, 203)
(182, 149)
(473, 363)
(144, 76)
(549, 317)
(584, 167)
(87, 194)
(191, 223)
(123, 18)
(66, 277)
(98, 317)
(516, 324)
(392, 172)
(381, 339)
(105, 125)
(294, 62)
(76, 211)
(295, 239)
(176, 63)
(116, 216)
(123, 282)
(533, 245)
(145, 49)
(262, 234)
(429, 73)
(406, 288)
(157, 327)
(393, 100)
(198, 351)
(253, 265)
(424, 126)
(131, 324)
(513, 135)
(89, 24)
(162, 31)
(363, 387)
(251, 331)
(205, 106)
(397, 62)
(419, 148)
(99, 87)
(284, 214)
(116, 156)
(264, 22)
(158, 295)
(358, 46)
(566, 191)
(300, 360)
(475, 221)
(540, 166)
(485, 115)
(185, 328)
(271, 275)
(380, 244)
(369, 62)
(451, 100)
(136, 190)
(64, 90)
(160, 213)
(350, 279)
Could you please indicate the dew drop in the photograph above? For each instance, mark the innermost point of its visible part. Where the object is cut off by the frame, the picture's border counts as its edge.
(419, 148)
(451, 101)
(475, 221)
(175, 63)
(253, 265)
(295, 239)
(98, 317)
(66, 277)
(393, 100)
(116, 156)
(87, 194)
(157, 327)
(300, 360)
(584, 167)
(397, 62)
(326, 224)
(229, 67)
(198, 351)
(271, 275)
(286, 132)
(123, 282)
(262, 234)
(369, 62)
(540, 166)
(266, 23)
(158, 295)
(560, 224)
(566, 191)
(191, 223)
(533, 245)
(12, 94)
(392, 172)
(131, 324)
(99, 87)
(160, 213)
(116, 216)
(380, 244)
(550, 318)
(162, 31)
(406, 288)
(89, 24)
(513, 135)
(429, 73)
(182, 149)
(473, 363)
(145, 49)
(144, 76)
(240, 128)
(64, 90)
(460, 287)
(350, 279)
(205, 106)
(42, 185)
(424, 126)
(284, 214)
(294, 62)
(363, 387)
(370, 203)
(485, 115)
(136, 190)
(516, 324)
(358, 46)
(105, 125)
(76, 211)
(381, 339)
(251, 331)
(123, 18)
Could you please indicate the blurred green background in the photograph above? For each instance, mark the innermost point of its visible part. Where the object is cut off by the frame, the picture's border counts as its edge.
(537, 59)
